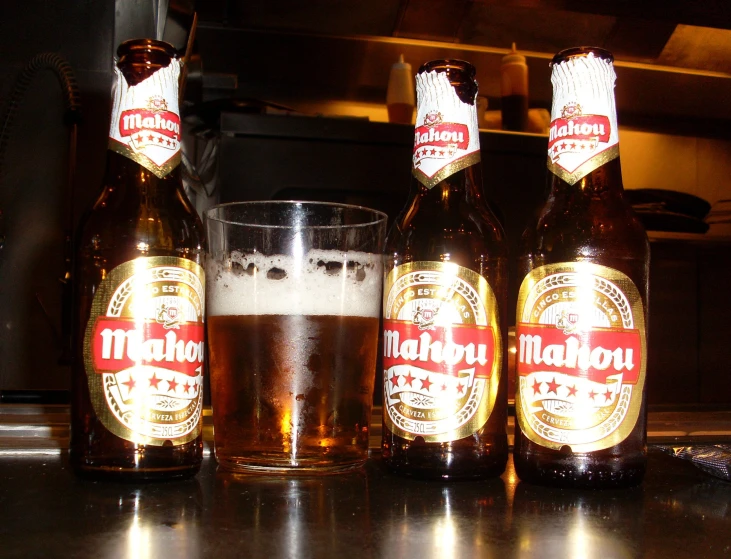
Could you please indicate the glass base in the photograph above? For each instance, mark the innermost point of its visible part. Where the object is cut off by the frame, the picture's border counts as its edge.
(247, 466)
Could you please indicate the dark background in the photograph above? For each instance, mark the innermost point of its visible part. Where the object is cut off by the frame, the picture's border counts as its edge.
(352, 161)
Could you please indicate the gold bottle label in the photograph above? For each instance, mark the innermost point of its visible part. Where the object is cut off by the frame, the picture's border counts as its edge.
(446, 136)
(144, 350)
(581, 354)
(442, 353)
(145, 124)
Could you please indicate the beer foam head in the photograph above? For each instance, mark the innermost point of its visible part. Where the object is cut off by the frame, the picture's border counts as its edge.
(319, 283)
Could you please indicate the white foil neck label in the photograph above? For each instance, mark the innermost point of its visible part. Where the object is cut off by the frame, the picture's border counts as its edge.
(446, 136)
(583, 134)
(145, 122)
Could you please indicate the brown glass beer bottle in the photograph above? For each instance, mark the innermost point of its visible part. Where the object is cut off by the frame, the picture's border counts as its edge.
(581, 323)
(444, 382)
(139, 290)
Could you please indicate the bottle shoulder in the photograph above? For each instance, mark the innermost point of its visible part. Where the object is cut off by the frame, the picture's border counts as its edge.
(125, 224)
(472, 241)
(590, 224)
(468, 225)
(609, 235)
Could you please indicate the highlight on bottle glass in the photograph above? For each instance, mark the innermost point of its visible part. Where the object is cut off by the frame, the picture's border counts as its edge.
(293, 295)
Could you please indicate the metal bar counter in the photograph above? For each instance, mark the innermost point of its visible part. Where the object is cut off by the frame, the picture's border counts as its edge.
(45, 511)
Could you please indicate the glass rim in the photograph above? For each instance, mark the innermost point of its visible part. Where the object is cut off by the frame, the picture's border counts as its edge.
(377, 214)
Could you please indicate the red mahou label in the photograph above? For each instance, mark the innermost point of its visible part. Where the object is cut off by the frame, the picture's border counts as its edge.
(442, 135)
(594, 355)
(164, 122)
(450, 349)
(118, 344)
(579, 128)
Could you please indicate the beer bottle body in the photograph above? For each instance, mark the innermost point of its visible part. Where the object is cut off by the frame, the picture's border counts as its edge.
(444, 320)
(138, 324)
(581, 332)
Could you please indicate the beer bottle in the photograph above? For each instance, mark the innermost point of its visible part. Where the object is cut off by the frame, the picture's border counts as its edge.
(139, 290)
(444, 383)
(581, 318)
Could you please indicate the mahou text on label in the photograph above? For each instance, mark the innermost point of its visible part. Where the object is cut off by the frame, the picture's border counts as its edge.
(123, 343)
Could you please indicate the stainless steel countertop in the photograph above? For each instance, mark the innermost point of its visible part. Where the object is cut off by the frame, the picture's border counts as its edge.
(44, 429)
(45, 511)
(677, 512)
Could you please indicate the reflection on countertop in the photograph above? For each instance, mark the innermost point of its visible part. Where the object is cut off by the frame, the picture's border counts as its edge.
(677, 512)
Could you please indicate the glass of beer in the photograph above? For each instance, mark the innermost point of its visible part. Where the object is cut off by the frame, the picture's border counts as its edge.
(293, 302)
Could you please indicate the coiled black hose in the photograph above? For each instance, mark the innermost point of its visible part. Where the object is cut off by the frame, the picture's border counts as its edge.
(72, 116)
(62, 69)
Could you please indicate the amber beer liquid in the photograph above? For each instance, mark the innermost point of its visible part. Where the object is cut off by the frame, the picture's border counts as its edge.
(250, 431)
(137, 383)
(581, 324)
(444, 382)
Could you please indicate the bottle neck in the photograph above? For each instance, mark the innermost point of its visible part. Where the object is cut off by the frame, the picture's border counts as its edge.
(605, 180)
(451, 199)
(463, 185)
(125, 179)
(141, 58)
